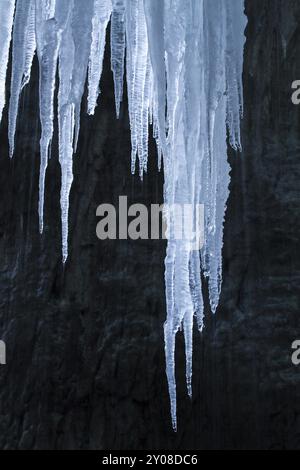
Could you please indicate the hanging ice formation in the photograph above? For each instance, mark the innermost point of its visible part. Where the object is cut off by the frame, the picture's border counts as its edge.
(184, 62)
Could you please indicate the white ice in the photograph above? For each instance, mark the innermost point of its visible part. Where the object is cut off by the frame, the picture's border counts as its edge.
(7, 8)
(184, 61)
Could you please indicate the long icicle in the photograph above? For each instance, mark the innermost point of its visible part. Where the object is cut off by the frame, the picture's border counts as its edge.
(184, 61)
(7, 8)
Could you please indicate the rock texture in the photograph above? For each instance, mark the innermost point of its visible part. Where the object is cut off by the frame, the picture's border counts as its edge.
(85, 357)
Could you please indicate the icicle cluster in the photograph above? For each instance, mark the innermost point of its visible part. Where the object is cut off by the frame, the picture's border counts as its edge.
(184, 62)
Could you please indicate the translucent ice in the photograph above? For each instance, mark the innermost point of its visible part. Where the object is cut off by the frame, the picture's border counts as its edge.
(184, 61)
(7, 8)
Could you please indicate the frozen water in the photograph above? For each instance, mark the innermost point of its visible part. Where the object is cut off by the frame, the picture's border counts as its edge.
(184, 61)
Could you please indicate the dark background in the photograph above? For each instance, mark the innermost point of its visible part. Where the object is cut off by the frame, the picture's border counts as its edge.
(85, 352)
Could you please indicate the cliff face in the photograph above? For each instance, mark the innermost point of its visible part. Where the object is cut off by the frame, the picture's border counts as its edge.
(85, 353)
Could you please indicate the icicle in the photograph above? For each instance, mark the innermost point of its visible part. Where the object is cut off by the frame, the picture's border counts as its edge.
(24, 46)
(236, 24)
(30, 40)
(7, 8)
(66, 125)
(196, 288)
(154, 12)
(217, 150)
(82, 34)
(138, 81)
(48, 35)
(101, 17)
(203, 58)
(73, 64)
(118, 49)
(49, 11)
(184, 61)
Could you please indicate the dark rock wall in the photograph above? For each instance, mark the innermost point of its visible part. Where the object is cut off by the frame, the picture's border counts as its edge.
(85, 352)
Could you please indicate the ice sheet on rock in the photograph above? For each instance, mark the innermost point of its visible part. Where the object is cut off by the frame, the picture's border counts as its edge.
(7, 8)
